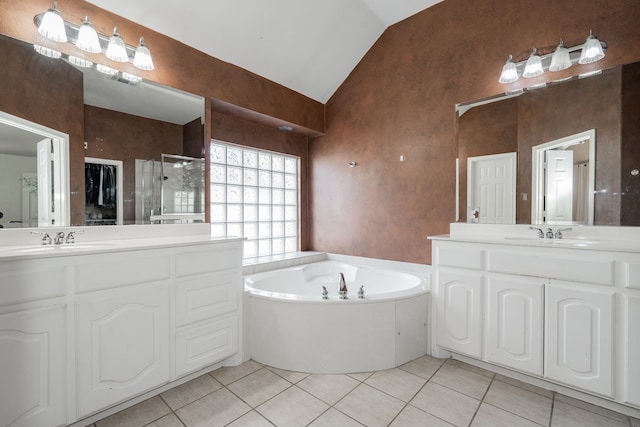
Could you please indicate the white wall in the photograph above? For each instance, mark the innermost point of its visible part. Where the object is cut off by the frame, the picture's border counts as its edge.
(11, 170)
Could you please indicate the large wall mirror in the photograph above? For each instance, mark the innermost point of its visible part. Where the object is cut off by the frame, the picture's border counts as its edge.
(121, 122)
(567, 153)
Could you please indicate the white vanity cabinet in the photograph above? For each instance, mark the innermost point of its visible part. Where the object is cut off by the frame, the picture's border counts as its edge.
(580, 336)
(81, 332)
(570, 316)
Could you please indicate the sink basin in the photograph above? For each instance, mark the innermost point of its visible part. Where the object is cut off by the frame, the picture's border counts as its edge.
(64, 248)
(561, 242)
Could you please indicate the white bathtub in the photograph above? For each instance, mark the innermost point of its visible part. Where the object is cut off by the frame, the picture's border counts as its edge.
(293, 328)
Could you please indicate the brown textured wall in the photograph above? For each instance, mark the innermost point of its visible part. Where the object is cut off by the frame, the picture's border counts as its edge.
(118, 136)
(630, 184)
(400, 100)
(47, 92)
(238, 131)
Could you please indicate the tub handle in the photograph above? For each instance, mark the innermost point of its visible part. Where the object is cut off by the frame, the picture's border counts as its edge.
(325, 293)
(361, 292)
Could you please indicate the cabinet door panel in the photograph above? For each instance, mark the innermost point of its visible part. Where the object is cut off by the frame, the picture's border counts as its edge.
(459, 312)
(32, 368)
(632, 353)
(123, 345)
(514, 324)
(579, 337)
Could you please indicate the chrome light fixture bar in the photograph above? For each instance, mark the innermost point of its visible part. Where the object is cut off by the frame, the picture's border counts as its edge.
(113, 47)
(560, 59)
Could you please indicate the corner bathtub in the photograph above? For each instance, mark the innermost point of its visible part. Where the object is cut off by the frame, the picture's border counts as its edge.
(293, 328)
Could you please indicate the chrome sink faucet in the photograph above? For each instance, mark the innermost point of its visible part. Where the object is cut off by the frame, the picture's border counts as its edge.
(539, 230)
(59, 238)
(549, 233)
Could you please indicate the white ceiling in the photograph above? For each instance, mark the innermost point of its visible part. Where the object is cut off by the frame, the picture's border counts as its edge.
(309, 46)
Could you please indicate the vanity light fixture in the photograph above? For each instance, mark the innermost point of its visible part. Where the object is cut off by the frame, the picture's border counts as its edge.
(560, 59)
(52, 25)
(88, 38)
(116, 50)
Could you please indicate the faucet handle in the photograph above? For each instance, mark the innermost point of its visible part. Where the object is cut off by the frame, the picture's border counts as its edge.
(558, 234)
(539, 230)
(71, 238)
(46, 239)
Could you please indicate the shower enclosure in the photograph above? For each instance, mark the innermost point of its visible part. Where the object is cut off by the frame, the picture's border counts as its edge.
(171, 190)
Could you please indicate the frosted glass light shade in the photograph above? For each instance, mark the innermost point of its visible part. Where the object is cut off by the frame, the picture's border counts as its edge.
(50, 53)
(533, 67)
(116, 49)
(106, 70)
(80, 62)
(52, 25)
(560, 59)
(142, 58)
(591, 51)
(88, 38)
(509, 72)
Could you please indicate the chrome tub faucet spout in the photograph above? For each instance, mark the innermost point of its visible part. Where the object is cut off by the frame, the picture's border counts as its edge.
(342, 286)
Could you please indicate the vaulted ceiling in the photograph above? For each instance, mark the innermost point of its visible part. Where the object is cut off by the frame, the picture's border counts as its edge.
(309, 46)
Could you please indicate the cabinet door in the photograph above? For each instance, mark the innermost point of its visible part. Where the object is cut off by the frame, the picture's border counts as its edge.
(33, 368)
(459, 316)
(122, 345)
(632, 353)
(579, 343)
(514, 324)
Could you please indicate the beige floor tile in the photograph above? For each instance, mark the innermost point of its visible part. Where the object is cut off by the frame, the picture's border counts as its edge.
(328, 388)
(449, 405)
(258, 387)
(397, 383)
(477, 370)
(463, 380)
(190, 391)
(565, 415)
(137, 415)
(229, 374)
(292, 408)
(414, 417)
(529, 387)
(334, 418)
(251, 419)
(424, 366)
(524, 403)
(291, 376)
(216, 409)
(591, 408)
(167, 421)
(370, 406)
(490, 416)
(361, 376)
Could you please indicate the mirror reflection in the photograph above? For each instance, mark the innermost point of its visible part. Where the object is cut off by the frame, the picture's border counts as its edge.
(121, 123)
(584, 128)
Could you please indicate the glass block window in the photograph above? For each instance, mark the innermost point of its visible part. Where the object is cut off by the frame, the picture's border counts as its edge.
(254, 194)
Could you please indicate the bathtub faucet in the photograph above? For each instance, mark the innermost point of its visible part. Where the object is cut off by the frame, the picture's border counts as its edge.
(342, 286)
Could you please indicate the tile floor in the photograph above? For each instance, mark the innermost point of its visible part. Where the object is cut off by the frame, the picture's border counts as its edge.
(424, 392)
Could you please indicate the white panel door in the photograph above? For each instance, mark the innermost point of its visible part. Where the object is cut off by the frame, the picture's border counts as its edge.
(559, 186)
(632, 353)
(122, 345)
(579, 342)
(459, 316)
(515, 321)
(32, 368)
(491, 187)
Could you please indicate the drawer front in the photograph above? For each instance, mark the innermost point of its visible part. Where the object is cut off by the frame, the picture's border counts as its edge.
(206, 296)
(600, 271)
(458, 256)
(200, 346)
(31, 280)
(202, 259)
(112, 270)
